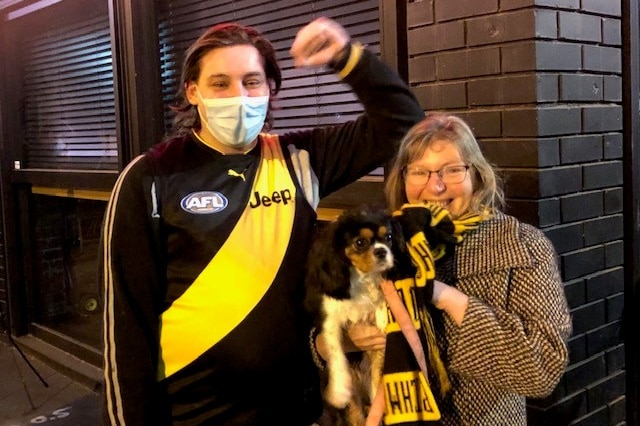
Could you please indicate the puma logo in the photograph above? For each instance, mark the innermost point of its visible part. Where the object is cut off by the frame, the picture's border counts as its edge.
(233, 173)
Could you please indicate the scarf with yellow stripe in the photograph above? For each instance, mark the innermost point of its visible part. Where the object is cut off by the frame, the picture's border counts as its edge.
(428, 235)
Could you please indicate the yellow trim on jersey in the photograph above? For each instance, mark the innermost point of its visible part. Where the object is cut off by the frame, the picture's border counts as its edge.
(240, 274)
(354, 58)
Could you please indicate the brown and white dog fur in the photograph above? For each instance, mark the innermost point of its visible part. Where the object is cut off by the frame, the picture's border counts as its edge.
(345, 268)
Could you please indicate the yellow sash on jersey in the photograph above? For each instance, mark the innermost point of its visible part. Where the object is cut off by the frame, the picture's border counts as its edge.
(239, 275)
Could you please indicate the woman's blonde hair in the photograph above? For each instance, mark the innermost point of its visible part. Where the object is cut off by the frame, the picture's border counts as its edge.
(488, 196)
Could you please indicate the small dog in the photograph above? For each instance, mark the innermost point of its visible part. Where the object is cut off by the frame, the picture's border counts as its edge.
(346, 265)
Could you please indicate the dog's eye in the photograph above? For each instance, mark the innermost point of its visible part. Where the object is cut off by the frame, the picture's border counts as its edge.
(361, 244)
(388, 239)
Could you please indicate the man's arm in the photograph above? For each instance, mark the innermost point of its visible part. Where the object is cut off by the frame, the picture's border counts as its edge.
(132, 300)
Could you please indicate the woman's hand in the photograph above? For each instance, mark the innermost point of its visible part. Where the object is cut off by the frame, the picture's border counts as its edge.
(364, 337)
(319, 43)
(359, 337)
(451, 300)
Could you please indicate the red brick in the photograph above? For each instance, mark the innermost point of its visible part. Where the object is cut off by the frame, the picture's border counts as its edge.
(519, 57)
(419, 13)
(519, 89)
(500, 28)
(441, 96)
(485, 123)
(422, 69)
(468, 63)
(435, 38)
(455, 9)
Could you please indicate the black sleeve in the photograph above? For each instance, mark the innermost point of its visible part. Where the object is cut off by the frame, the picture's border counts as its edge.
(132, 276)
(342, 154)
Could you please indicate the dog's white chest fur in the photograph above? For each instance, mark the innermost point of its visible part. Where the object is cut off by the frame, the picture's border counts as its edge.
(366, 301)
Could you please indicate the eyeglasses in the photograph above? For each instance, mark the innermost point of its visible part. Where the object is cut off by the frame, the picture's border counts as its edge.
(448, 174)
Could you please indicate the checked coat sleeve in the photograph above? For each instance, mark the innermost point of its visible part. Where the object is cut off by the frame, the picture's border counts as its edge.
(512, 341)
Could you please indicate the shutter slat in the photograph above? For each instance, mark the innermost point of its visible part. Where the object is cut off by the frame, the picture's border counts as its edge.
(83, 163)
(87, 65)
(78, 152)
(76, 79)
(57, 52)
(85, 96)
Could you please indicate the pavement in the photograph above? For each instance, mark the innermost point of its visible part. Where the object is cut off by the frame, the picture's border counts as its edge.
(45, 396)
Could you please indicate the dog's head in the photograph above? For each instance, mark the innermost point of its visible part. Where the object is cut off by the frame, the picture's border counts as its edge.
(364, 238)
(360, 240)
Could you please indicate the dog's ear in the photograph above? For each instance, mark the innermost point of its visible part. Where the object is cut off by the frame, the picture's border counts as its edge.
(403, 266)
(327, 269)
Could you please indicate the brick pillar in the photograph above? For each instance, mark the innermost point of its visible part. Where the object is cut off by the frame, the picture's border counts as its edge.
(540, 83)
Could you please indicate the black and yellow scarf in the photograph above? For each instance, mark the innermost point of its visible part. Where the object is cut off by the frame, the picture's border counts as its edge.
(429, 235)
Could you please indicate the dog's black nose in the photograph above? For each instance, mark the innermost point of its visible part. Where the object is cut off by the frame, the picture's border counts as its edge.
(380, 253)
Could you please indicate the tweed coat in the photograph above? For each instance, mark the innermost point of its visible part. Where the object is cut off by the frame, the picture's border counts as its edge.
(511, 343)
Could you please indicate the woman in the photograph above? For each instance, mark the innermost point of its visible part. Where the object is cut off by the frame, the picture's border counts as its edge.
(205, 233)
(502, 319)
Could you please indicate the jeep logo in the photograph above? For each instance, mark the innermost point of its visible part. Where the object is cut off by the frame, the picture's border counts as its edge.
(204, 202)
(277, 197)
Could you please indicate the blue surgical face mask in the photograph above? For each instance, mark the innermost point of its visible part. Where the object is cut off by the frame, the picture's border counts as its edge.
(237, 121)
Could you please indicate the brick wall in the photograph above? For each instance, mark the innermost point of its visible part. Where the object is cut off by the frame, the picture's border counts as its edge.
(540, 83)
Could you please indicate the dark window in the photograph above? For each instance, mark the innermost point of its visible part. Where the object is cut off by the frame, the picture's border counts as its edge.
(62, 127)
(67, 294)
(68, 90)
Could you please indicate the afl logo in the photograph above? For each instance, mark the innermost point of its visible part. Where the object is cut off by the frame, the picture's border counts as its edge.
(204, 202)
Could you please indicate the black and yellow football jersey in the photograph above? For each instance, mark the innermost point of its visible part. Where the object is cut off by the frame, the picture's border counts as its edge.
(203, 266)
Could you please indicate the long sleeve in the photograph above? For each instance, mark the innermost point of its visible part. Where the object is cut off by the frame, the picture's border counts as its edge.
(343, 153)
(515, 342)
(133, 285)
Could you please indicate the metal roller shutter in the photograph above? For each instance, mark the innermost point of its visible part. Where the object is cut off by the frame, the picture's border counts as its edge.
(69, 107)
(308, 98)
